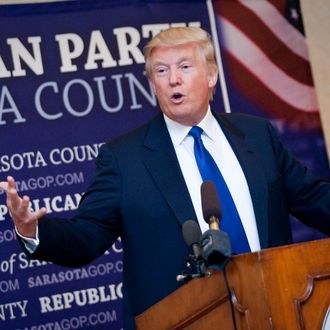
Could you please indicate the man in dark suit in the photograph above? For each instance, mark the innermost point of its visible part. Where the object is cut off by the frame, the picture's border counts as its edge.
(147, 183)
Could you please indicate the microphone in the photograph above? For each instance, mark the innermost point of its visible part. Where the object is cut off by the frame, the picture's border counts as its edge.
(215, 242)
(210, 204)
(194, 264)
(192, 236)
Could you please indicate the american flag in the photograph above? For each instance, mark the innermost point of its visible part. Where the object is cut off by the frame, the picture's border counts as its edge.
(267, 72)
(266, 59)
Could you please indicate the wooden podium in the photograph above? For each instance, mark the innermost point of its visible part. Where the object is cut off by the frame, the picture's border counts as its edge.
(279, 288)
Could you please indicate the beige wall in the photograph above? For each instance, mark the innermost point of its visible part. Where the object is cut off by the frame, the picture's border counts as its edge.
(316, 15)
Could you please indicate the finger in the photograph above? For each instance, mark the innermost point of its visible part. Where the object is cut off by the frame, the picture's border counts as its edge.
(11, 183)
(13, 200)
(40, 213)
(24, 205)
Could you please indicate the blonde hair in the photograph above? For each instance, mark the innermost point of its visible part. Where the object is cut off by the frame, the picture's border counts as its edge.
(179, 36)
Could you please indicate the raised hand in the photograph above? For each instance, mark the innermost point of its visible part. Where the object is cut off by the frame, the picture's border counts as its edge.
(25, 220)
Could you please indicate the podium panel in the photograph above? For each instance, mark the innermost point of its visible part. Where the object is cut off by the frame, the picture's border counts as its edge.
(279, 288)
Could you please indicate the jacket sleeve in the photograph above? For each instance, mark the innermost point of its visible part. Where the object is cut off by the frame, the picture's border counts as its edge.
(96, 226)
(307, 196)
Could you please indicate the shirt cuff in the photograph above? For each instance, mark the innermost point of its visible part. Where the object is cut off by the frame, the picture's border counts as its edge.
(30, 244)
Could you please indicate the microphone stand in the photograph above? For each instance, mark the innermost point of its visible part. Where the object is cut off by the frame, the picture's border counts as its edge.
(195, 266)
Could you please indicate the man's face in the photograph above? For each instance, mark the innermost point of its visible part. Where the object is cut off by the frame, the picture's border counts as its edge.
(182, 80)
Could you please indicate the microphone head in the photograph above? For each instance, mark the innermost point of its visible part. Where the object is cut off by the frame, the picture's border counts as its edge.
(191, 232)
(210, 201)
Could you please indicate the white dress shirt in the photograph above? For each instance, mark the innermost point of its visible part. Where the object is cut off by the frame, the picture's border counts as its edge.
(217, 144)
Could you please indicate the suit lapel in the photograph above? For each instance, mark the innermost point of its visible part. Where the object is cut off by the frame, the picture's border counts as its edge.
(161, 161)
(258, 187)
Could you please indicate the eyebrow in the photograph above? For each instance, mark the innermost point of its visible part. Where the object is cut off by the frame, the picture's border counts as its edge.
(181, 59)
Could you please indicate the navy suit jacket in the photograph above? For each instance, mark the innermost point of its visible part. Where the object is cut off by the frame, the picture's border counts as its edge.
(139, 193)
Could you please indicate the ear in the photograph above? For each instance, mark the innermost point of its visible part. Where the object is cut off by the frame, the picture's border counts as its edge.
(212, 76)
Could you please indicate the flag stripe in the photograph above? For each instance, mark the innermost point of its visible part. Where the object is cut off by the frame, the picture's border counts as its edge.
(276, 50)
(285, 32)
(252, 88)
(301, 96)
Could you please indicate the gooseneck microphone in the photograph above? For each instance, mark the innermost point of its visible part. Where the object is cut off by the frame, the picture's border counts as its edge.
(212, 250)
(210, 204)
(215, 242)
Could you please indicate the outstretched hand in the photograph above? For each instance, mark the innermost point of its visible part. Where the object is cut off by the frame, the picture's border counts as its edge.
(25, 220)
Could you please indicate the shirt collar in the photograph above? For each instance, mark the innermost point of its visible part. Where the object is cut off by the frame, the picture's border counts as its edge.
(179, 132)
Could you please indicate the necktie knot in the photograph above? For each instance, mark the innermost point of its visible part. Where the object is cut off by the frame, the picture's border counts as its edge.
(196, 132)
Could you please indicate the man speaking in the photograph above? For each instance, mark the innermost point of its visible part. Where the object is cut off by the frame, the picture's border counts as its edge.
(147, 183)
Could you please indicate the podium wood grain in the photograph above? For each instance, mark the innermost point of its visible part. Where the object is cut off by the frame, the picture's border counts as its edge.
(279, 288)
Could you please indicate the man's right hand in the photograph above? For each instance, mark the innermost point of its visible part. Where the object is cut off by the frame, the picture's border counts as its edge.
(25, 220)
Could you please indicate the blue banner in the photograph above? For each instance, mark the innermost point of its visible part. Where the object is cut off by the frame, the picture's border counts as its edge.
(71, 78)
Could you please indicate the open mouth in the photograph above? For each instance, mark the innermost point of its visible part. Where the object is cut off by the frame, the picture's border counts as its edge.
(177, 97)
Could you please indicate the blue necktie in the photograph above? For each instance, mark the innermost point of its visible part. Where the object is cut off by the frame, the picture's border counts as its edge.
(230, 222)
